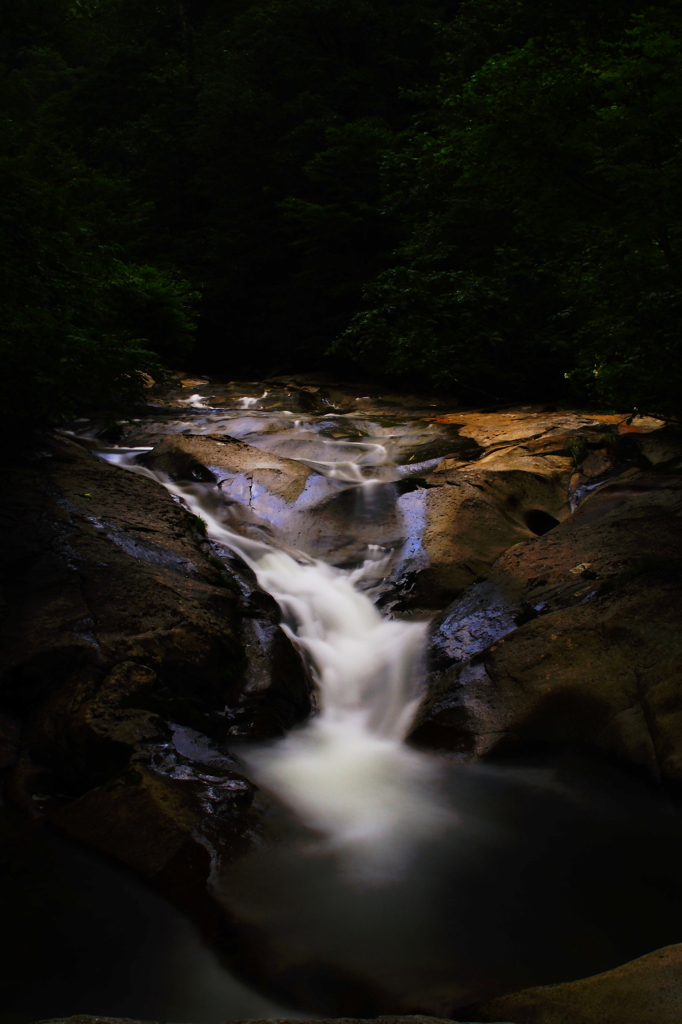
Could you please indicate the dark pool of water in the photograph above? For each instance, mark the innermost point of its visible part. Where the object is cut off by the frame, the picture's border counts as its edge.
(81, 935)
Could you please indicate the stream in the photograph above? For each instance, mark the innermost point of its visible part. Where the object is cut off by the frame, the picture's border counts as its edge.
(400, 882)
(348, 774)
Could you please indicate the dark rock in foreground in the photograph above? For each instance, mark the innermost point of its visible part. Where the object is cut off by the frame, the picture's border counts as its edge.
(131, 654)
(415, 1019)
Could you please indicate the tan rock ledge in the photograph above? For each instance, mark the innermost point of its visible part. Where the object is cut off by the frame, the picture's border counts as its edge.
(645, 991)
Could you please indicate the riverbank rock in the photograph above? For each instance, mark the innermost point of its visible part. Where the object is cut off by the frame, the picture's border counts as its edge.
(479, 512)
(220, 459)
(536, 469)
(413, 1019)
(573, 636)
(644, 991)
(505, 426)
(131, 656)
(279, 500)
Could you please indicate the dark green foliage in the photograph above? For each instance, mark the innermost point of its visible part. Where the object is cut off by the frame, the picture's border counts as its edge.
(297, 106)
(481, 196)
(82, 316)
(549, 215)
(78, 322)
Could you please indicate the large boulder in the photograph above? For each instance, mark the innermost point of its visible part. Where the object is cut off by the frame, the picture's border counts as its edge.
(644, 991)
(131, 656)
(537, 467)
(573, 636)
(280, 500)
(466, 514)
(221, 459)
(474, 514)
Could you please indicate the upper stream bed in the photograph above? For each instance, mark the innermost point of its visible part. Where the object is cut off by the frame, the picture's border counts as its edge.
(361, 458)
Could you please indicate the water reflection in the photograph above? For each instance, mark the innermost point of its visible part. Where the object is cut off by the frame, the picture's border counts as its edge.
(81, 935)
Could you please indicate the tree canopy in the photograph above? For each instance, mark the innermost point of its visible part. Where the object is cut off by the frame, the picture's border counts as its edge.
(481, 196)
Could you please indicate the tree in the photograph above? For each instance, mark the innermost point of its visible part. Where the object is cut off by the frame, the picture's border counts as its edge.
(547, 236)
(83, 320)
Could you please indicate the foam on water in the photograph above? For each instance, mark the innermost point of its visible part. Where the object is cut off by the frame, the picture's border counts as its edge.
(194, 402)
(250, 403)
(347, 774)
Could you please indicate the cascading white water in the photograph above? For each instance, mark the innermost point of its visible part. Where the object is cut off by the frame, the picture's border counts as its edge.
(250, 403)
(194, 402)
(347, 774)
(511, 898)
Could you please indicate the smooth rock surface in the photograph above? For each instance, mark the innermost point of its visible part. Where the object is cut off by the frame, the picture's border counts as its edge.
(519, 423)
(279, 500)
(187, 458)
(537, 468)
(130, 656)
(526, 482)
(644, 991)
(572, 637)
(413, 1019)
(480, 512)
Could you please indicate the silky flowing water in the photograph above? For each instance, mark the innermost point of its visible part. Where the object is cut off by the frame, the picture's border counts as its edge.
(347, 774)
(399, 882)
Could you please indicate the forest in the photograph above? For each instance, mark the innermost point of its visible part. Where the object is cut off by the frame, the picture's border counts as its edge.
(482, 198)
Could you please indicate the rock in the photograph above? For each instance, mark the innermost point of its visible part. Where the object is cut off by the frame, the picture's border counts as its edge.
(132, 654)
(280, 500)
(662, 447)
(614, 454)
(573, 637)
(537, 469)
(411, 1019)
(189, 458)
(596, 464)
(471, 521)
(519, 423)
(473, 512)
(644, 991)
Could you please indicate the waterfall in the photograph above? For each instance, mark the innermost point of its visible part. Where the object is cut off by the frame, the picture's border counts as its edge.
(251, 403)
(371, 901)
(347, 773)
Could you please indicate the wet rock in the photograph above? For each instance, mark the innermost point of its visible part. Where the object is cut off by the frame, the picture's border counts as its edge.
(441, 448)
(219, 459)
(643, 991)
(538, 467)
(573, 637)
(132, 655)
(280, 500)
(83, 1018)
(472, 514)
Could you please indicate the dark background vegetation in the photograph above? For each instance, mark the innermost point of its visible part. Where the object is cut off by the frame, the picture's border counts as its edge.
(483, 194)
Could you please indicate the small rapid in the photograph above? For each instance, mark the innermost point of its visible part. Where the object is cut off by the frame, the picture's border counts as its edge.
(347, 774)
(392, 881)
